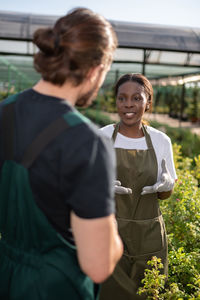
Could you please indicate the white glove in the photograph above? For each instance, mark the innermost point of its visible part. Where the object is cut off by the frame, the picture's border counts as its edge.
(165, 184)
(121, 189)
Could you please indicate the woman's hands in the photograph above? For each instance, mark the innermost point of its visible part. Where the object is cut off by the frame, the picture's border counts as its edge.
(121, 189)
(165, 184)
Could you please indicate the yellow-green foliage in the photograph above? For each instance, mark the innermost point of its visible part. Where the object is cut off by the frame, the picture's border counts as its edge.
(196, 170)
(181, 213)
(153, 282)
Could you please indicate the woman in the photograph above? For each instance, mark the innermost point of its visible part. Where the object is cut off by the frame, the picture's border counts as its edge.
(145, 165)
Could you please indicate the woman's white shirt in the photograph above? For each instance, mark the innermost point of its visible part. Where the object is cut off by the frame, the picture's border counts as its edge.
(161, 143)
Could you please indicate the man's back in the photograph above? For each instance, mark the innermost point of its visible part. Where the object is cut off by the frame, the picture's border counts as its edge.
(65, 164)
(72, 179)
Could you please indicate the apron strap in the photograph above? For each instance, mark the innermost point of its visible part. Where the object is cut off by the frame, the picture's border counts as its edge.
(114, 135)
(146, 134)
(147, 137)
(38, 144)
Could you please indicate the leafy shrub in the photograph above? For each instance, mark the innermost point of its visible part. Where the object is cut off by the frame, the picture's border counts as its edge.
(98, 117)
(3, 95)
(190, 143)
(181, 213)
(153, 281)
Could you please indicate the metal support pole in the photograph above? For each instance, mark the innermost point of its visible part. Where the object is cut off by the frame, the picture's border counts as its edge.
(116, 75)
(144, 62)
(9, 77)
(182, 101)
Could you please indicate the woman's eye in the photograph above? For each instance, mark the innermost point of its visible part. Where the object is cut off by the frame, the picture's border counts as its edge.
(137, 98)
(120, 98)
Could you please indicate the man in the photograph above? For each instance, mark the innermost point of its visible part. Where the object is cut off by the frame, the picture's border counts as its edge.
(71, 178)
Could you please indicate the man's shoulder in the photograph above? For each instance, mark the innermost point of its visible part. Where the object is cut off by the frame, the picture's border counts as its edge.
(85, 134)
(93, 132)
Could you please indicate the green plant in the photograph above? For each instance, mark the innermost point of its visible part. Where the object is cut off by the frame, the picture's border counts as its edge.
(98, 117)
(181, 213)
(196, 170)
(190, 143)
(183, 281)
(3, 95)
(153, 282)
(184, 270)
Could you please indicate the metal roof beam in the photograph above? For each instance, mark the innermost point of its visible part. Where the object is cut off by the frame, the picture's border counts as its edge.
(156, 63)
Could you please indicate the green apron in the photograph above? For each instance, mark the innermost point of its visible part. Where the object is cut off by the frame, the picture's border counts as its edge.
(36, 263)
(140, 222)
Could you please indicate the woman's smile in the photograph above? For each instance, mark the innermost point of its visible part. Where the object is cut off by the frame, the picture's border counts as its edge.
(129, 115)
(131, 102)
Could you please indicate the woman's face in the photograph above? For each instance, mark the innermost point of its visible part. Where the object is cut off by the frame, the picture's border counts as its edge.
(131, 102)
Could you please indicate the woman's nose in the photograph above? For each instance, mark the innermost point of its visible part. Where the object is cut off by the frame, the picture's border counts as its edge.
(128, 102)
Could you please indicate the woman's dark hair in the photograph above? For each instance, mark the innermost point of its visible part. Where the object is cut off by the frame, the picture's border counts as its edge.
(142, 80)
(78, 41)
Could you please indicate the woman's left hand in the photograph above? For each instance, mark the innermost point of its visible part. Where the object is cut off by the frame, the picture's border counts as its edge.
(165, 184)
(121, 190)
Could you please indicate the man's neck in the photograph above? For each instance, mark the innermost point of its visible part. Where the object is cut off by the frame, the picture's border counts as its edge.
(66, 91)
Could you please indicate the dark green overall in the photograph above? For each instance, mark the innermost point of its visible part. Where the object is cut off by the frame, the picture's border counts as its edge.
(36, 263)
(140, 222)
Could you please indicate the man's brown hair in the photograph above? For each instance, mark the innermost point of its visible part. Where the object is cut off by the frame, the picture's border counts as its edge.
(78, 41)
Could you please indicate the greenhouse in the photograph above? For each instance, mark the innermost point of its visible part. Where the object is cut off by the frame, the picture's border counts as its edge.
(170, 58)
(165, 54)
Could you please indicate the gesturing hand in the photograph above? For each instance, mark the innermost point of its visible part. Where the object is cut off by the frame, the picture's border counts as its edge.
(165, 184)
(121, 189)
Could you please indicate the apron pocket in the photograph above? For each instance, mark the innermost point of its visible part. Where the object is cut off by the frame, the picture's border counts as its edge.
(141, 237)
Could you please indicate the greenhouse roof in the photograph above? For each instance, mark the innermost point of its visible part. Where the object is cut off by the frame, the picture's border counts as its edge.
(21, 26)
(157, 51)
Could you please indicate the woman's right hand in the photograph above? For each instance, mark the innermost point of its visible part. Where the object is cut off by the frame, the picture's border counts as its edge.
(121, 190)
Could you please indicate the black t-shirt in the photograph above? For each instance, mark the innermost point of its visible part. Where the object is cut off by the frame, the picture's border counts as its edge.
(75, 171)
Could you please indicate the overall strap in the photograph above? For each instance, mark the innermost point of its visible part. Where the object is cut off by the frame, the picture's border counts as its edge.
(38, 144)
(42, 140)
(8, 119)
(69, 119)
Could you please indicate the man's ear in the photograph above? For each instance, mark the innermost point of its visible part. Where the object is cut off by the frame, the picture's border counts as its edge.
(93, 73)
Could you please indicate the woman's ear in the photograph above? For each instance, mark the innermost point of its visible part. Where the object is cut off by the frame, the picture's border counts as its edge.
(148, 105)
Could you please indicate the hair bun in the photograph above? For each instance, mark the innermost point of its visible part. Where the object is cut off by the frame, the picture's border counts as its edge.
(44, 39)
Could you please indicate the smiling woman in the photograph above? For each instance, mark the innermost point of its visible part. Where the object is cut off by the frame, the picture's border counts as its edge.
(145, 165)
(132, 100)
